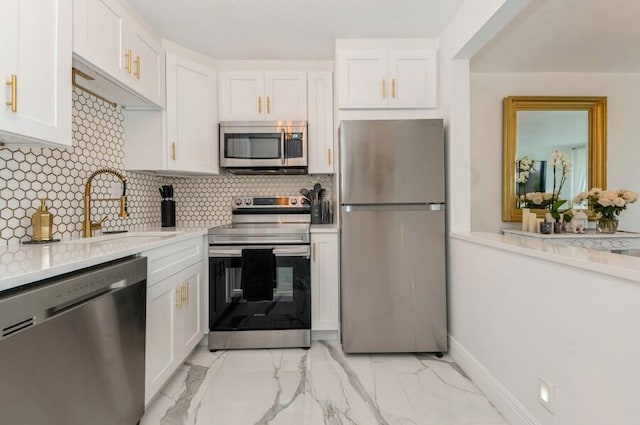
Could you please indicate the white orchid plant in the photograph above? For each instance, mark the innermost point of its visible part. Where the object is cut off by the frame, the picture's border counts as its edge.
(561, 169)
(525, 169)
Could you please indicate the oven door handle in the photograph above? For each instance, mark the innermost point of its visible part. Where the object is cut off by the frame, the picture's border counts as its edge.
(281, 251)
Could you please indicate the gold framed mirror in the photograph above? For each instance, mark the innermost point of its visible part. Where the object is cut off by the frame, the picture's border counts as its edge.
(533, 126)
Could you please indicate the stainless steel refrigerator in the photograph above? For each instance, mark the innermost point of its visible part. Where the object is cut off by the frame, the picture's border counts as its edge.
(392, 245)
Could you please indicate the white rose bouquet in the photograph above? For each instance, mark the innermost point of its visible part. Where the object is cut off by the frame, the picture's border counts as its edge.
(607, 204)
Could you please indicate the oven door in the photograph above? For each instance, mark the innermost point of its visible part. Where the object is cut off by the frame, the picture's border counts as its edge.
(265, 146)
(291, 304)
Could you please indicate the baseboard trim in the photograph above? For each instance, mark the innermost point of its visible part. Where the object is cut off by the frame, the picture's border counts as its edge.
(510, 407)
(324, 335)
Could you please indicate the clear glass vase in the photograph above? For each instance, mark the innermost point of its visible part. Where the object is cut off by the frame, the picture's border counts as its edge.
(607, 225)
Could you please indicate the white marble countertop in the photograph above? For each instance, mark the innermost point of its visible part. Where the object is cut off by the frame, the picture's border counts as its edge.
(618, 265)
(24, 264)
(591, 233)
(324, 228)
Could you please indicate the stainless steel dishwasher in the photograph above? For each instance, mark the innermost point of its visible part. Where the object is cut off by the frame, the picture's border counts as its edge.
(72, 348)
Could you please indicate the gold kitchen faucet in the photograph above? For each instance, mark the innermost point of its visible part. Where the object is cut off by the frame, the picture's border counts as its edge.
(88, 226)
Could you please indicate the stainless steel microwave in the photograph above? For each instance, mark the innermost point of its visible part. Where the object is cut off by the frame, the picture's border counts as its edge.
(264, 147)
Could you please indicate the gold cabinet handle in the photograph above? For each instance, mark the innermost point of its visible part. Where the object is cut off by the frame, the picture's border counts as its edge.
(384, 84)
(173, 151)
(127, 65)
(329, 155)
(393, 88)
(268, 105)
(313, 252)
(185, 293)
(179, 297)
(14, 93)
(259, 104)
(138, 66)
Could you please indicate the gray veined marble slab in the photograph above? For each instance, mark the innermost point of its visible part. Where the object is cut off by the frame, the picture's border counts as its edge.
(321, 386)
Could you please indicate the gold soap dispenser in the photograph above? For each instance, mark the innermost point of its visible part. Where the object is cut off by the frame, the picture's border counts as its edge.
(42, 223)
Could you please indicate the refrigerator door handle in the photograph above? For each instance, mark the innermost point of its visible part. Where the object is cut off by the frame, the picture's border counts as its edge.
(435, 206)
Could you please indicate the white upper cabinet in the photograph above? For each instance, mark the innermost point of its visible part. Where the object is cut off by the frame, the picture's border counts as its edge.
(241, 96)
(412, 76)
(192, 119)
(111, 40)
(387, 78)
(183, 139)
(320, 128)
(98, 34)
(35, 63)
(363, 75)
(147, 76)
(262, 96)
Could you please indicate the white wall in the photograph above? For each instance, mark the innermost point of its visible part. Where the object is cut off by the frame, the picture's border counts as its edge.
(522, 318)
(487, 92)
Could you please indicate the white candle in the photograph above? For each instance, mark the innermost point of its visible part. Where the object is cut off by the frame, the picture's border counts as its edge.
(532, 222)
(525, 219)
(548, 217)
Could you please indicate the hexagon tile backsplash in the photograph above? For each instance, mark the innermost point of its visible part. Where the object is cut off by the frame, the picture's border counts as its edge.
(60, 174)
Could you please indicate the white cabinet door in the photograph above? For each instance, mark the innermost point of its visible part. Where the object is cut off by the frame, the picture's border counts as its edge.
(412, 75)
(241, 96)
(35, 59)
(362, 77)
(147, 67)
(320, 122)
(98, 27)
(325, 282)
(192, 121)
(286, 96)
(188, 318)
(161, 358)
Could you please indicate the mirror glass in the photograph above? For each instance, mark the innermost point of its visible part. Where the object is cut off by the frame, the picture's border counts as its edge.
(535, 128)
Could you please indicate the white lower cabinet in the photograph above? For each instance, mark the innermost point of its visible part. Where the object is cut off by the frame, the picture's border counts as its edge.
(325, 282)
(174, 310)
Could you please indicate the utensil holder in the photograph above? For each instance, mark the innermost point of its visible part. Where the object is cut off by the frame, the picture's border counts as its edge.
(168, 213)
(316, 213)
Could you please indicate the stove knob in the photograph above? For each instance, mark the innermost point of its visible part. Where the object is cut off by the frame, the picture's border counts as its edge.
(237, 201)
(247, 201)
(293, 201)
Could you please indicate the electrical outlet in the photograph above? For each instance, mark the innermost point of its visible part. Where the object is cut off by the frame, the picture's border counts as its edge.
(546, 394)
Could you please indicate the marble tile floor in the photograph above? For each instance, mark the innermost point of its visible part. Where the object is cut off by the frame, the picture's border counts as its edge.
(318, 386)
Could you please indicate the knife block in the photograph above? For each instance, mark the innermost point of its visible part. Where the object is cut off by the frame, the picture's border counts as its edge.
(168, 213)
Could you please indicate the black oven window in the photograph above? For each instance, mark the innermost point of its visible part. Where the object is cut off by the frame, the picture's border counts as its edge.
(289, 309)
(252, 146)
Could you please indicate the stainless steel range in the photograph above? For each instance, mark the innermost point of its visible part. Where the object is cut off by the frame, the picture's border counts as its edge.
(259, 275)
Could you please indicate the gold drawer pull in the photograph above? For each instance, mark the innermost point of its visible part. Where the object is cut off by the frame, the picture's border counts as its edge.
(14, 93)
(329, 155)
(393, 88)
(313, 252)
(268, 105)
(138, 63)
(185, 292)
(179, 297)
(173, 151)
(384, 86)
(127, 66)
(259, 104)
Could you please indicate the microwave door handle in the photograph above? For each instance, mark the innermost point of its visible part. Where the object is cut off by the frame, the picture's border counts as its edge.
(282, 146)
